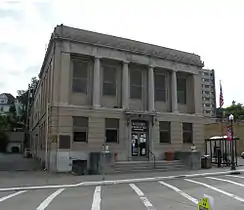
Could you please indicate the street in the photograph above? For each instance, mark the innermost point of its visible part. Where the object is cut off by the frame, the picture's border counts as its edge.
(175, 194)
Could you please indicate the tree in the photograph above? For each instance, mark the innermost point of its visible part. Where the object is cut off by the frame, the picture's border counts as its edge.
(4, 126)
(237, 109)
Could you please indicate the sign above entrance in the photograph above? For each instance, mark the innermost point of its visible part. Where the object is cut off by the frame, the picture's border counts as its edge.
(138, 125)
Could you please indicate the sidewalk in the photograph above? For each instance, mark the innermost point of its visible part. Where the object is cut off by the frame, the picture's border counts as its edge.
(21, 179)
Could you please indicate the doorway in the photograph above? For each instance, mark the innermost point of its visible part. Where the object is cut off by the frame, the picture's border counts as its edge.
(139, 138)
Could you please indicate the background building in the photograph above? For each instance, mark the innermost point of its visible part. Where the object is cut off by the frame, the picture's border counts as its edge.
(138, 98)
(6, 101)
(208, 93)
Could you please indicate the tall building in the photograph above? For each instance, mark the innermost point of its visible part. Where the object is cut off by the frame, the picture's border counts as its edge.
(98, 89)
(208, 93)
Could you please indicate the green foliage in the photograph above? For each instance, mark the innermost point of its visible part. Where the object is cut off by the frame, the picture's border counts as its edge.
(237, 109)
(4, 127)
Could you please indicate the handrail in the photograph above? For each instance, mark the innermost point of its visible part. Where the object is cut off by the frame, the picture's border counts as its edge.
(154, 158)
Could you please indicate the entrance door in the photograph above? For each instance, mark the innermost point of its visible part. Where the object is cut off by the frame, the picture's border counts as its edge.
(139, 138)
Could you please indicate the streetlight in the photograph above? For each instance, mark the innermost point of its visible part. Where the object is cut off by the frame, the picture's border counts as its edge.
(231, 119)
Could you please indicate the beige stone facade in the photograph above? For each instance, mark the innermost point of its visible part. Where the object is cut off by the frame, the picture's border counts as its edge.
(94, 87)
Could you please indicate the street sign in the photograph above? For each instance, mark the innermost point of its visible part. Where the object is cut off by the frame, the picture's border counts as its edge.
(229, 137)
(206, 203)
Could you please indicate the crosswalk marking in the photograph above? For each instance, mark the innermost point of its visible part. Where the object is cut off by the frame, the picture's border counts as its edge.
(96, 198)
(216, 189)
(235, 176)
(143, 198)
(193, 200)
(12, 195)
(49, 199)
(226, 180)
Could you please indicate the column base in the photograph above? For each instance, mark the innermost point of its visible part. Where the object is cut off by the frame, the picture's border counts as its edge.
(96, 106)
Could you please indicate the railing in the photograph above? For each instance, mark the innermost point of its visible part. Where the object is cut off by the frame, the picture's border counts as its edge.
(154, 158)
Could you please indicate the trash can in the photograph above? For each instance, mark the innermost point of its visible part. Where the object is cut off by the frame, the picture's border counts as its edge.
(206, 162)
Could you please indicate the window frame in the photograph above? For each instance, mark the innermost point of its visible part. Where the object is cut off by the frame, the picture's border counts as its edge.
(82, 80)
(180, 90)
(187, 132)
(159, 89)
(112, 129)
(80, 129)
(168, 130)
(136, 86)
(115, 82)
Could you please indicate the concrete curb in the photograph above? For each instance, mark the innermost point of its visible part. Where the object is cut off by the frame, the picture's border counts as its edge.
(121, 181)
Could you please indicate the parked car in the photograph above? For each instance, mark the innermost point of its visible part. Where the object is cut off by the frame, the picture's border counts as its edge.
(242, 155)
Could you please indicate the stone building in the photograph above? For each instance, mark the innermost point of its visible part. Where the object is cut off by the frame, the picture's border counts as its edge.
(139, 98)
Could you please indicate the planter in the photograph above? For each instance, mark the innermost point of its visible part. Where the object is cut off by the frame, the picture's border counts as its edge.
(169, 156)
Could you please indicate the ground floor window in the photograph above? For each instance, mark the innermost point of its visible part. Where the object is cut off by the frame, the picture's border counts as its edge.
(187, 132)
(80, 129)
(164, 132)
(112, 130)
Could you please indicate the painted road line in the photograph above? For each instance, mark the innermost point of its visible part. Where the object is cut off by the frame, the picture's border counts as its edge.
(96, 198)
(49, 199)
(11, 195)
(235, 176)
(192, 199)
(216, 189)
(226, 180)
(143, 198)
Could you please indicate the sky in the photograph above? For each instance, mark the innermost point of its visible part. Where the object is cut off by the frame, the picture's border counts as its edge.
(212, 29)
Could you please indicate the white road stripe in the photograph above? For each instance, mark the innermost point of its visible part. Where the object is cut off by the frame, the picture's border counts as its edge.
(143, 198)
(96, 198)
(49, 199)
(235, 176)
(226, 180)
(216, 189)
(11, 195)
(193, 200)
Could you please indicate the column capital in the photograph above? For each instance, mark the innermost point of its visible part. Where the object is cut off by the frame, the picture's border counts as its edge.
(125, 62)
(151, 66)
(98, 57)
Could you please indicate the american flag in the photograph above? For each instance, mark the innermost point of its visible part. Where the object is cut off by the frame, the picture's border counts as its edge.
(221, 98)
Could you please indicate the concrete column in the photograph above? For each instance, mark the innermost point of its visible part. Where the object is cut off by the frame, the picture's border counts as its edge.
(96, 83)
(125, 85)
(197, 93)
(174, 92)
(151, 89)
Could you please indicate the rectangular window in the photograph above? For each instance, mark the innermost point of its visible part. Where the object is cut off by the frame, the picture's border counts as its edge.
(164, 132)
(80, 129)
(80, 77)
(160, 91)
(181, 90)
(135, 84)
(187, 133)
(109, 81)
(64, 142)
(112, 130)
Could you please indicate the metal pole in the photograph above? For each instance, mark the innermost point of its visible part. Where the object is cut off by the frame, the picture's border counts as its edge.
(46, 142)
(233, 167)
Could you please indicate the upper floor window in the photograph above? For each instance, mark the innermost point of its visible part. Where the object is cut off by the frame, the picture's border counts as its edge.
(181, 90)
(80, 77)
(164, 132)
(109, 80)
(135, 84)
(160, 91)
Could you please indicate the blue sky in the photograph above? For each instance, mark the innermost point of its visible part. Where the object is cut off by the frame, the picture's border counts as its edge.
(211, 28)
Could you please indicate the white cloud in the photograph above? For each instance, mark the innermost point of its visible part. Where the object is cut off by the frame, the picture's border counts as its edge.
(212, 29)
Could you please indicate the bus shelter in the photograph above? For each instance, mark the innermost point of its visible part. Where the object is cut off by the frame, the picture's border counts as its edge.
(219, 150)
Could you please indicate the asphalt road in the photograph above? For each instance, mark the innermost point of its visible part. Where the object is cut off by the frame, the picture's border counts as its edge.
(177, 194)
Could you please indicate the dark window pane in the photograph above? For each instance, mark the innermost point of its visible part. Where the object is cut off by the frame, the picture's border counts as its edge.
(187, 137)
(159, 82)
(79, 137)
(136, 77)
(160, 95)
(80, 70)
(111, 136)
(136, 92)
(79, 121)
(64, 142)
(79, 85)
(181, 97)
(164, 137)
(109, 74)
(109, 89)
(164, 125)
(187, 127)
(112, 123)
